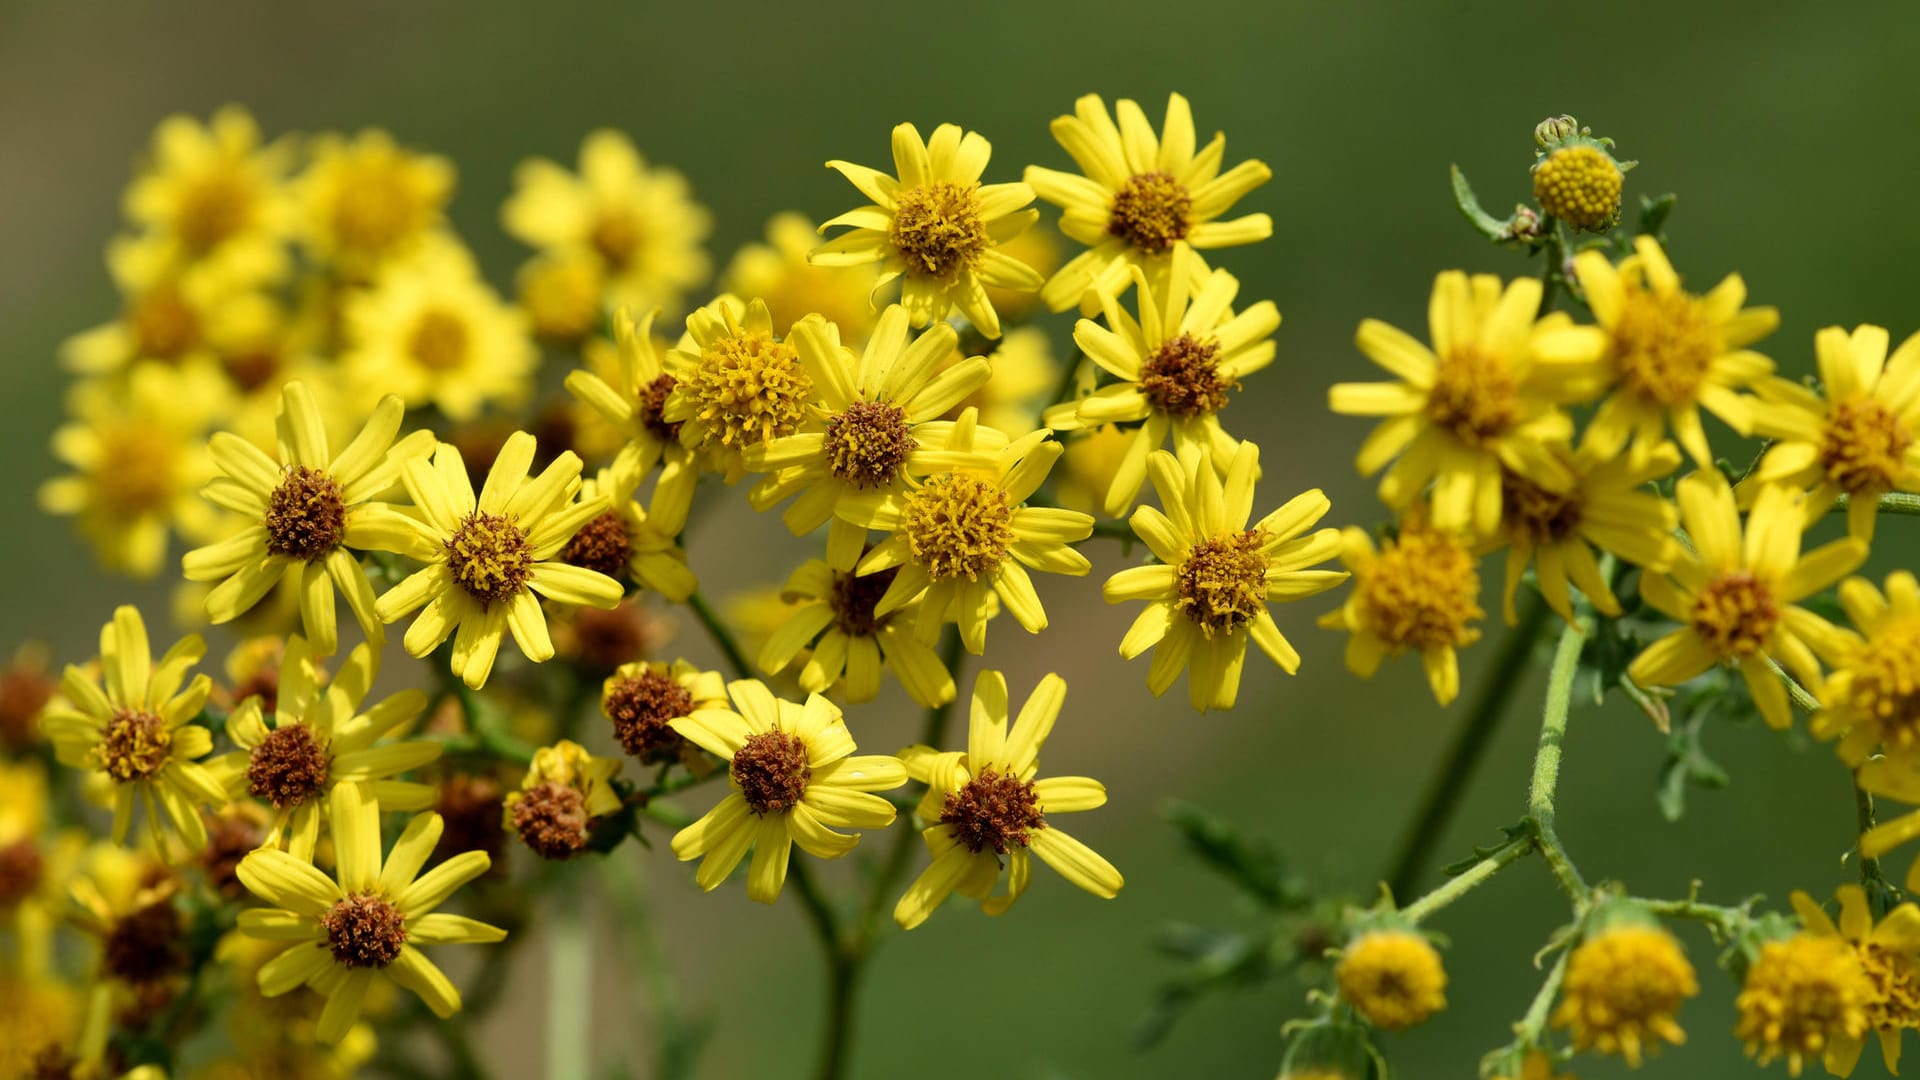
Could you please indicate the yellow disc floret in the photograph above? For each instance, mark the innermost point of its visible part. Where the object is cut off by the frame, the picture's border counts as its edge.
(746, 389)
(1394, 978)
(958, 526)
(938, 229)
(1623, 988)
(1580, 185)
(1801, 995)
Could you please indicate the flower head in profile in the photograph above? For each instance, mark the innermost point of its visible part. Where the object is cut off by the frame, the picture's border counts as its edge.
(1806, 998)
(935, 228)
(1482, 400)
(643, 698)
(631, 396)
(213, 200)
(639, 221)
(1872, 698)
(735, 385)
(1889, 954)
(779, 272)
(366, 200)
(1392, 977)
(138, 731)
(832, 620)
(320, 738)
(1176, 366)
(306, 507)
(1623, 990)
(490, 559)
(1138, 198)
(960, 535)
(1669, 353)
(629, 541)
(564, 792)
(984, 810)
(370, 920)
(1737, 597)
(795, 779)
(1207, 596)
(1861, 439)
(1416, 591)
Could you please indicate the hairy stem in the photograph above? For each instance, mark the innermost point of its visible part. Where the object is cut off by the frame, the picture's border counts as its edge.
(1546, 762)
(1894, 502)
(1471, 878)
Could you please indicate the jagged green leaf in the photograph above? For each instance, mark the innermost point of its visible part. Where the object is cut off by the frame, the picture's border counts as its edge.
(1252, 864)
(1484, 223)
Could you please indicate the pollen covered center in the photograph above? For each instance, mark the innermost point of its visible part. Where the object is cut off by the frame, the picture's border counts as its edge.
(994, 810)
(1884, 683)
(1421, 593)
(1475, 397)
(135, 746)
(135, 475)
(1538, 514)
(958, 526)
(364, 931)
(748, 389)
(1223, 582)
(1735, 613)
(305, 515)
(1663, 345)
(867, 444)
(772, 771)
(489, 557)
(653, 403)
(1183, 378)
(642, 707)
(289, 767)
(603, 545)
(552, 820)
(1580, 185)
(937, 228)
(440, 340)
(1151, 212)
(1865, 446)
(854, 597)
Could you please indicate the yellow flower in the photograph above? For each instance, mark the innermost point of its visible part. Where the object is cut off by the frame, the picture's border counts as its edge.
(1889, 954)
(564, 791)
(273, 1037)
(1483, 398)
(487, 558)
(1140, 198)
(832, 621)
(631, 395)
(1805, 998)
(1092, 459)
(366, 200)
(962, 535)
(626, 540)
(1607, 506)
(1872, 697)
(561, 295)
(780, 273)
(1038, 247)
(170, 320)
(138, 458)
(306, 508)
(40, 1019)
(320, 739)
(935, 227)
(872, 415)
(431, 331)
(1394, 978)
(795, 778)
(1176, 366)
(1207, 597)
(1624, 986)
(371, 919)
(1670, 353)
(984, 804)
(734, 385)
(643, 698)
(213, 200)
(1024, 374)
(1736, 600)
(641, 223)
(1861, 440)
(1537, 1065)
(1418, 590)
(1579, 184)
(139, 733)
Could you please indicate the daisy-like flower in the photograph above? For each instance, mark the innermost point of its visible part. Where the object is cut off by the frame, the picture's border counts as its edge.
(1392, 977)
(564, 792)
(1736, 600)
(961, 535)
(487, 558)
(1607, 506)
(137, 733)
(872, 415)
(1420, 591)
(1861, 440)
(1176, 366)
(779, 272)
(560, 292)
(1139, 198)
(631, 395)
(984, 811)
(306, 509)
(643, 698)
(367, 200)
(170, 319)
(431, 331)
(735, 385)
(640, 222)
(1872, 698)
(628, 541)
(833, 615)
(1485, 397)
(138, 461)
(1806, 998)
(1207, 597)
(795, 779)
(1623, 990)
(320, 739)
(213, 199)
(371, 919)
(1670, 353)
(1889, 953)
(935, 227)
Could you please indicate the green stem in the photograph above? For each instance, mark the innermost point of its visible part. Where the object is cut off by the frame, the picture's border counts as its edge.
(1894, 502)
(1554, 270)
(1724, 920)
(569, 990)
(842, 973)
(1871, 877)
(1450, 782)
(1534, 1024)
(1471, 878)
(1546, 762)
(1115, 529)
(722, 637)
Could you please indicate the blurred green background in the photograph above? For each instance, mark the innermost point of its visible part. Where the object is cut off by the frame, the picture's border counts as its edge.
(1786, 129)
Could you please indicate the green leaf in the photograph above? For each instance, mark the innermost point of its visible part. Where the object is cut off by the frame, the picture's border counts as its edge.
(1514, 834)
(1653, 214)
(1484, 223)
(1252, 864)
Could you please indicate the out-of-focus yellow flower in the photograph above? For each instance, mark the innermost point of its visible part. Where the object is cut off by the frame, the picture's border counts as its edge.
(630, 394)
(1038, 247)
(1024, 373)
(561, 295)
(1139, 198)
(1805, 999)
(627, 541)
(1088, 467)
(1419, 590)
(172, 320)
(366, 201)
(1394, 978)
(1889, 954)
(832, 635)
(1623, 991)
(735, 385)
(985, 812)
(40, 1020)
(779, 273)
(274, 1037)
(640, 222)
(564, 790)
(795, 779)
(1872, 698)
(213, 200)
(25, 689)
(935, 228)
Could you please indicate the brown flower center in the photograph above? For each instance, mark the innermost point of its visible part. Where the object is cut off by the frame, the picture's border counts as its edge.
(854, 597)
(1183, 378)
(1535, 513)
(305, 515)
(20, 869)
(490, 558)
(616, 236)
(231, 837)
(1474, 396)
(145, 944)
(1151, 212)
(552, 820)
(772, 771)
(24, 691)
(867, 444)
(993, 810)
(642, 708)
(653, 402)
(938, 230)
(135, 746)
(1865, 446)
(958, 526)
(289, 767)
(1884, 684)
(1735, 613)
(471, 806)
(165, 326)
(601, 545)
(364, 931)
(1663, 345)
(440, 340)
(1223, 582)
